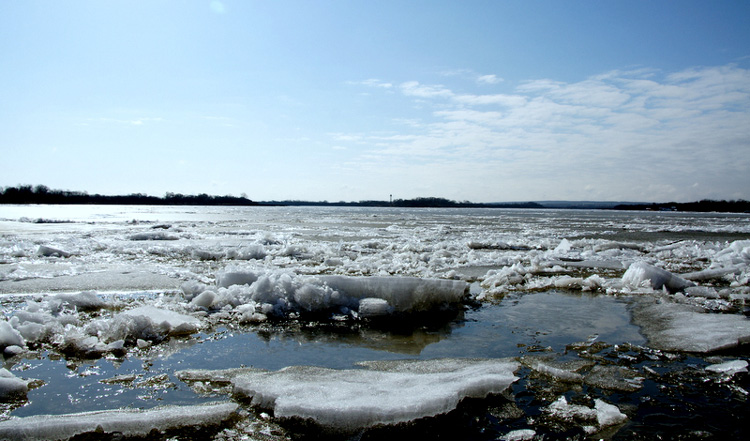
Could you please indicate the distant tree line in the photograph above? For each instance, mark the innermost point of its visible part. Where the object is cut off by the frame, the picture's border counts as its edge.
(421, 202)
(704, 206)
(41, 194)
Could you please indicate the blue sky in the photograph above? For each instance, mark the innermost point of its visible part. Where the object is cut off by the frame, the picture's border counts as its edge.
(354, 100)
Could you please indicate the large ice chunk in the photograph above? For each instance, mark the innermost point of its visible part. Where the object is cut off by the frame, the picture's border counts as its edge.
(145, 323)
(228, 278)
(385, 393)
(174, 322)
(123, 422)
(404, 294)
(737, 253)
(83, 301)
(677, 327)
(49, 251)
(641, 274)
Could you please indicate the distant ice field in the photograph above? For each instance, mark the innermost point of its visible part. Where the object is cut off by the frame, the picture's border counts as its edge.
(110, 307)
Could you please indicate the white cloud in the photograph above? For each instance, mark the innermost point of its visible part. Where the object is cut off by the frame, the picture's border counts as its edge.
(634, 135)
(415, 89)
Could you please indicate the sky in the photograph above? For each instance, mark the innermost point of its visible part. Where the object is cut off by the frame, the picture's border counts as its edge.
(485, 101)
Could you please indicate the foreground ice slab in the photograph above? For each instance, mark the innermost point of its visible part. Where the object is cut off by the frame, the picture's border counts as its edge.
(677, 327)
(385, 393)
(127, 422)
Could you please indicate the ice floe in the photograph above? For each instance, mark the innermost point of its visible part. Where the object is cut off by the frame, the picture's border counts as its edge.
(384, 393)
(127, 423)
(677, 327)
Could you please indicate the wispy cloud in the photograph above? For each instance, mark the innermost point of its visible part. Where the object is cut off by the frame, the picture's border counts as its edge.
(619, 135)
(489, 79)
(122, 121)
(372, 82)
(415, 89)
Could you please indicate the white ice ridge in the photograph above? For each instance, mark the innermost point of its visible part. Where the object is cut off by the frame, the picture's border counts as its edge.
(384, 393)
(127, 422)
(677, 327)
(279, 292)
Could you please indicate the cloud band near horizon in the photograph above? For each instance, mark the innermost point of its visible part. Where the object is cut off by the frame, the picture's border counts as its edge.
(622, 135)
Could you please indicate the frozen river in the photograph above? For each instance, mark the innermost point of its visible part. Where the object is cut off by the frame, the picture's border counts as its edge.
(289, 322)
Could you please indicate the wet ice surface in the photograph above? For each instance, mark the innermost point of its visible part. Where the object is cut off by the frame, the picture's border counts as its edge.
(117, 307)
